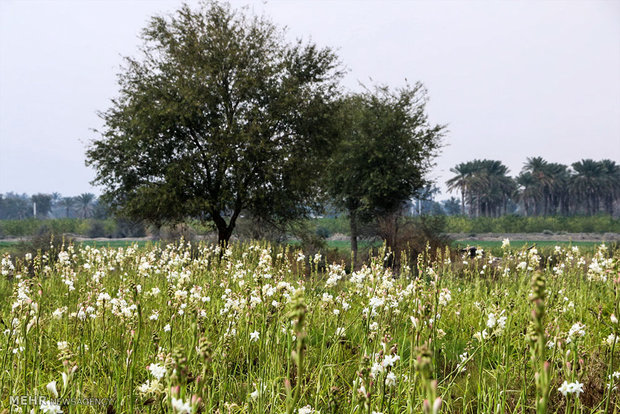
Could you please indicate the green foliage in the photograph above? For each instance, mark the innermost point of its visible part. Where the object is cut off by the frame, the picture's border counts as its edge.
(507, 224)
(219, 115)
(386, 148)
(82, 227)
(533, 224)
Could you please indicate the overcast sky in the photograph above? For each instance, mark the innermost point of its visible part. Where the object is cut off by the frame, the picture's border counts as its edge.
(511, 79)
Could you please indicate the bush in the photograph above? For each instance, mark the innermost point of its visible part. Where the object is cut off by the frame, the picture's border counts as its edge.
(44, 241)
(520, 224)
(323, 232)
(415, 234)
(96, 229)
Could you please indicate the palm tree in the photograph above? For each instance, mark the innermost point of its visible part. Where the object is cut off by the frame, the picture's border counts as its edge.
(84, 204)
(587, 184)
(67, 203)
(484, 185)
(611, 184)
(460, 181)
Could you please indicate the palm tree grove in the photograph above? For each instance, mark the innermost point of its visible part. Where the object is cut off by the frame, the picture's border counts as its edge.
(542, 188)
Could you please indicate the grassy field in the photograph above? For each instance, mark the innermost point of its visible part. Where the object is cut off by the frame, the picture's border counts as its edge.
(495, 247)
(265, 329)
(344, 246)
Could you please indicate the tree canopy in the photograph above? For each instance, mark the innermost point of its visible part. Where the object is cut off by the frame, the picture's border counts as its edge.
(384, 154)
(218, 115)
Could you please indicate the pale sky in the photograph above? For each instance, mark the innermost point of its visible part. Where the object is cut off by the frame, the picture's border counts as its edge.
(512, 79)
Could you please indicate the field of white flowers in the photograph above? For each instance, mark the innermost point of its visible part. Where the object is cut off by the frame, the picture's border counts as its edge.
(264, 329)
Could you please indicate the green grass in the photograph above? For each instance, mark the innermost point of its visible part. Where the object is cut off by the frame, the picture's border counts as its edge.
(260, 329)
(488, 245)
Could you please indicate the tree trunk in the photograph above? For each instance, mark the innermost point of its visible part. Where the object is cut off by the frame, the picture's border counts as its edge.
(223, 236)
(224, 230)
(354, 233)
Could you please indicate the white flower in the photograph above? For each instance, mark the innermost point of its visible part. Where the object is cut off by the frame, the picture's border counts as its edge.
(491, 321)
(480, 336)
(305, 410)
(612, 339)
(49, 407)
(613, 318)
(180, 406)
(444, 297)
(254, 336)
(578, 329)
(103, 296)
(376, 369)
(157, 370)
(389, 360)
(340, 331)
(390, 379)
(254, 394)
(575, 387)
(570, 388)
(154, 316)
(167, 328)
(376, 302)
(58, 312)
(259, 390)
(51, 387)
(505, 243)
(81, 314)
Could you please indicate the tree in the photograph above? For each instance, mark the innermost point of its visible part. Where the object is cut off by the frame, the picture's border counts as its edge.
(460, 181)
(452, 207)
(611, 184)
(15, 206)
(386, 148)
(43, 204)
(484, 185)
(67, 204)
(85, 204)
(220, 115)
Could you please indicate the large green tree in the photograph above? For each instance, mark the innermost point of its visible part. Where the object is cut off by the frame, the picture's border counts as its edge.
(386, 148)
(218, 115)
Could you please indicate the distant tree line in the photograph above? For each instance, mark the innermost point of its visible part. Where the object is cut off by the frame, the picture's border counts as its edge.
(21, 206)
(542, 188)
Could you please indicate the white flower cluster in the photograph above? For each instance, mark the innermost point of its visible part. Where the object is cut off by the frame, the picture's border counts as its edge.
(576, 331)
(571, 388)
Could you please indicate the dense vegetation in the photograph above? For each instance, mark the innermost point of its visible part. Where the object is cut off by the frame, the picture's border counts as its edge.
(263, 329)
(324, 227)
(542, 188)
(504, 224)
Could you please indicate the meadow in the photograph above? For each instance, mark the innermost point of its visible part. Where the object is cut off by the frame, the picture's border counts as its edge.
(260, 328)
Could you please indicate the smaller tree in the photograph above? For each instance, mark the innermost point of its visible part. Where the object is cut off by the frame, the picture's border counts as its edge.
(85, 204)
(386, 148)
(452, 207)
(43, 204)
